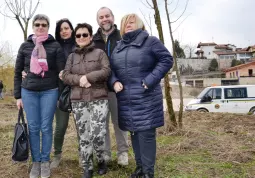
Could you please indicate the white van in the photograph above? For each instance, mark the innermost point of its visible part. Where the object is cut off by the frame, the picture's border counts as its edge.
(232, 99)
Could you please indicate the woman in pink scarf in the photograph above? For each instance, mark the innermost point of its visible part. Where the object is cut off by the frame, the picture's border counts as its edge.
(42, 58)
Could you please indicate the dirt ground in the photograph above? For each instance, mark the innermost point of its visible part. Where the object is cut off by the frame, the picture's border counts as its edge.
(209, 145)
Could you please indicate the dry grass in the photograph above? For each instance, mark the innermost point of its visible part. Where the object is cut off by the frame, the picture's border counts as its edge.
(209, 145)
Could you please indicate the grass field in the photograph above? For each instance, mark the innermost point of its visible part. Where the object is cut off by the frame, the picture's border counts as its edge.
(209, 146)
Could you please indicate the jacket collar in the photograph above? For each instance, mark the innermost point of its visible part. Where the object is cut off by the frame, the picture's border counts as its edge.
(86, 49)
(50, 38)
(134, 38)
(98, 35)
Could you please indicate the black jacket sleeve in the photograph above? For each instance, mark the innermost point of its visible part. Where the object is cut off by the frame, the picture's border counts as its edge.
(19, 67)
(60, 58)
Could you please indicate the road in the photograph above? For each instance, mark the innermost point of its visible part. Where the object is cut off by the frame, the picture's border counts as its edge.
(176, 103)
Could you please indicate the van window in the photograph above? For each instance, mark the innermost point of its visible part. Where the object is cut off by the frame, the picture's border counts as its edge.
(214, 93)
(231, 93)
(217, 93)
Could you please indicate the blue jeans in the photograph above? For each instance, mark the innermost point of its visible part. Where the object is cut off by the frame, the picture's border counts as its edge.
(40, 108)
(144, 147)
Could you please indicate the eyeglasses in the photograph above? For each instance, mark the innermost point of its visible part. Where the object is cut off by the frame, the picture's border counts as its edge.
(41, 24)
(84, 35)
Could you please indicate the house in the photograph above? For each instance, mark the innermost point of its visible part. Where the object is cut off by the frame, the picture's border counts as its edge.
(244, 56)
(243, 70)
(251, 49)
(205, 50)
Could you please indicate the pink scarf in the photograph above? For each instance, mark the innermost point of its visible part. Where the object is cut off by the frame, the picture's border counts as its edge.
(38, 62)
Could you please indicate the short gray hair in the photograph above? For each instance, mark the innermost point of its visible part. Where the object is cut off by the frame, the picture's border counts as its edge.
(41, 17)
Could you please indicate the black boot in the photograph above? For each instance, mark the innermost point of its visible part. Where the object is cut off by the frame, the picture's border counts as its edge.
(102, 168)
(138, 172)
(87, 173)
(148, 176)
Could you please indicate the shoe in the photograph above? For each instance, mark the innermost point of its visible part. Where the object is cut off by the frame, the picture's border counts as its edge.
(36, 170)
(123, 159)
(138, 173)
(102, 168)
(55, 162)
(107, 158)
(87, 173)
(80, 162)
(148, 176)
(45, 169)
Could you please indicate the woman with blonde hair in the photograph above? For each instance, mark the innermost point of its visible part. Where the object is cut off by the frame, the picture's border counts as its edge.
(138, 64)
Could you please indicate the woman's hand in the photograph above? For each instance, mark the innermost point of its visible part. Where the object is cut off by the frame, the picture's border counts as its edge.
(117, 86)
(19, 103)
(24, 74)
(144, 86)
(60, 75)
(84, 82)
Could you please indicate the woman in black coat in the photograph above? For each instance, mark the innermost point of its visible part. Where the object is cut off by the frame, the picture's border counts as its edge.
(138, 64)
(64, 34)
(41, 58)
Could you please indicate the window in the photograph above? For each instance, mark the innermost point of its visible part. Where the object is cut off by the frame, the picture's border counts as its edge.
(230, 75)
(214, 93)
(217, 93)
(231, 93)
(250, 71)
(234, 75)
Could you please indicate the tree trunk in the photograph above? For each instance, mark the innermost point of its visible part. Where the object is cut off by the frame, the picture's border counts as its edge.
(176, 68)
(166, 78)
(25, 32)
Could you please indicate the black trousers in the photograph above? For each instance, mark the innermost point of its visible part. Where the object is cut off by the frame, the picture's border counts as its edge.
(144, 146)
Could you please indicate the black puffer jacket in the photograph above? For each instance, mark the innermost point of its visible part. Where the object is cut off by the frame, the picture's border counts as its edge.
(56, 63)
(111, 42)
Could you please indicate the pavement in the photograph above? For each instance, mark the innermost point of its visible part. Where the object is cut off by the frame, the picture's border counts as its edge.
(176, 103)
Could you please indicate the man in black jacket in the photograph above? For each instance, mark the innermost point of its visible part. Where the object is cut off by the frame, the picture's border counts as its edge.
(106, 39)
(1, 90)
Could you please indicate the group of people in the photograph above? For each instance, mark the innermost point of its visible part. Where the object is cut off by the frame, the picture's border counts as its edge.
(113, 74)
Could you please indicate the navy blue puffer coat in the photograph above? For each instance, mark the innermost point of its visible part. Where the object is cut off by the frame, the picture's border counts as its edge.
(140, 58)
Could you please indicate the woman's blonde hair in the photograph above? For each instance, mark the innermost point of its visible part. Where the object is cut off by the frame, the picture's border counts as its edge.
(124, 21)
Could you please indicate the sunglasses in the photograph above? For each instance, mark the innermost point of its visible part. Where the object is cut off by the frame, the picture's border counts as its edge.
(41, 24)
(84, 35)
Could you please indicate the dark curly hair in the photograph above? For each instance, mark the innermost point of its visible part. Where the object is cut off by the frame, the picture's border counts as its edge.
(84, 25)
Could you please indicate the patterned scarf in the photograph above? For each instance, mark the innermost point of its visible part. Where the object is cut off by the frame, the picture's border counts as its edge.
(38, 62)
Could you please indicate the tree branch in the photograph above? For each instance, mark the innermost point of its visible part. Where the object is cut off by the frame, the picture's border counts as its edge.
(174, 8)
(187, 1)
(149, 24)
(181, 23)
(148, 5)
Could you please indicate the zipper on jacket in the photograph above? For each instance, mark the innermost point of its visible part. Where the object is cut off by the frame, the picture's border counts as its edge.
(128, 88)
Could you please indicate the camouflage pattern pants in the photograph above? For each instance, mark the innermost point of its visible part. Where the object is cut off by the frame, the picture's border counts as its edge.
(90, 118)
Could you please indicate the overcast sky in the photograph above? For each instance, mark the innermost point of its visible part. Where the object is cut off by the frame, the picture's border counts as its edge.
(220, 21)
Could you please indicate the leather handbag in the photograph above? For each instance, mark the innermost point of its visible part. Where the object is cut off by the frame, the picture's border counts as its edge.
(20, 148)
(64, 102)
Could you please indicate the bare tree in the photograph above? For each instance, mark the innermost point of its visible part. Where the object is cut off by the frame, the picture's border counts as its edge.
(6, 55)
(167, 87)
(175, 55)
(20, 10)
(148, 22)
(189, 50)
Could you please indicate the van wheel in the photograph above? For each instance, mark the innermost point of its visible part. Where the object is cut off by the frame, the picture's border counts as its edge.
(252, 110)
(202, 110)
